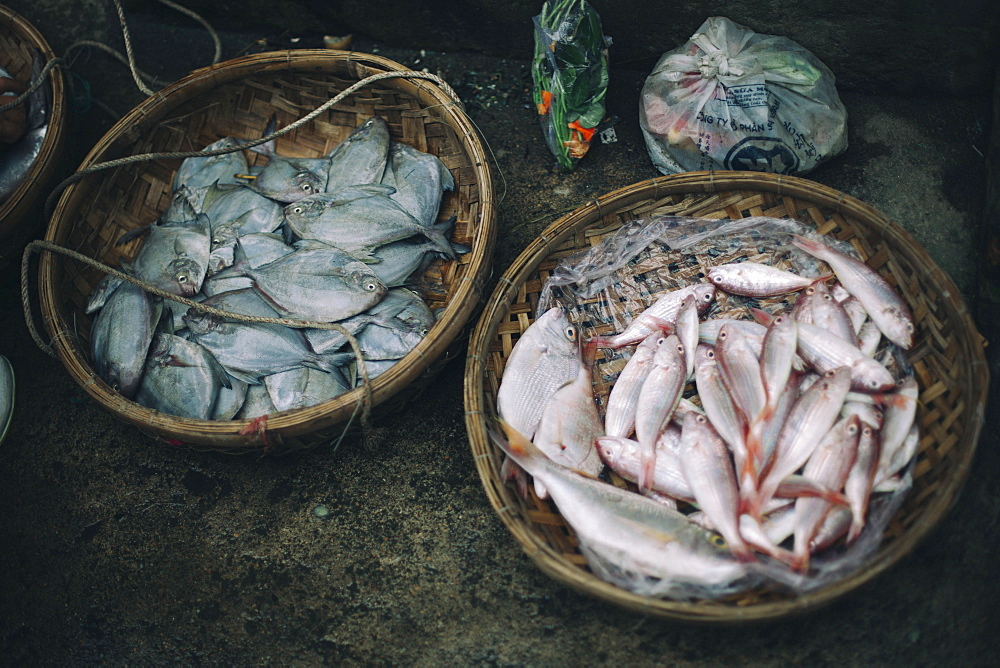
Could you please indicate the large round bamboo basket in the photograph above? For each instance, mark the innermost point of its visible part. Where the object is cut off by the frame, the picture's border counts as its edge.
(947, 358)
(18, 40)
(237, 98)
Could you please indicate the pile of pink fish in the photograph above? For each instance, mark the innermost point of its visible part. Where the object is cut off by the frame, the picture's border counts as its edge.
(799, 419)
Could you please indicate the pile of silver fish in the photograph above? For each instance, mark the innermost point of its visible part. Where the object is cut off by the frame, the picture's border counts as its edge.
(339, 238)
(17, 159)
(791, 424)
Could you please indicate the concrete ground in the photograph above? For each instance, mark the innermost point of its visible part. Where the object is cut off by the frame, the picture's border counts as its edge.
(118, 549)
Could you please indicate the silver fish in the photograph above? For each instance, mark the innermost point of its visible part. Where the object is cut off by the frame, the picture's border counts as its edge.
(174, 256)
(815, 305)
(398, 262)
(256, 404)
(614, 525)
(285, 178)
(260, 248)
(718, 404)
(361, 158)
(861, 479)
(619, 414)
(361, 218)
(899, 411)
(419, 179)
(324, 284)
(402, 313)
(777, 355)
(18, 158)
(829, 465)
(708, 331)
(230, 399)
(250, 351)
(570, 426)
(686, 328)
(709, 470)
(659, 316)
(236, 210)
(624, 457)
(753, 279)
(808, 421)
(657, 400)
(120, 337)
(824, 351)
(302, 387)
(198, 172)
(101, 291)
(544, 358)
(741, 373)
(881, 301)
(181, 378)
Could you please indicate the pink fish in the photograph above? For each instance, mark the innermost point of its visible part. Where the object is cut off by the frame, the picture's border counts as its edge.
(753, 279)
(659, 316)
(658, 398)
(881, 301)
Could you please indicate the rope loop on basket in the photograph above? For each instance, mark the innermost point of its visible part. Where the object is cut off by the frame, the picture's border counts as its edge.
(365, 404)
(174, 155)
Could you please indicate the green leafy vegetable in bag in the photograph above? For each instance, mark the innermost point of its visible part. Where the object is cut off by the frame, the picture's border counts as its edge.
(570, 74)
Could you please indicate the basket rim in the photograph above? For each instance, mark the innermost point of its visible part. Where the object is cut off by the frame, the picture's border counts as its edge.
(13, 208)
(295, 422)
(506, 292)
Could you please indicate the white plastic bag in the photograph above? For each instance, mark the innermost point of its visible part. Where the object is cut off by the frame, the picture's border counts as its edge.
(731, 98)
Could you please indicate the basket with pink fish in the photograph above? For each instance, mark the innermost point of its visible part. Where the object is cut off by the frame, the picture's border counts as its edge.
(723, 396)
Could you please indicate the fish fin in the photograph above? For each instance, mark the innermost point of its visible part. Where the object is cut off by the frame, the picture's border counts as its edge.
(761, 316)
(267, 148)
(134, 234)
(438, 234)
(220, 371)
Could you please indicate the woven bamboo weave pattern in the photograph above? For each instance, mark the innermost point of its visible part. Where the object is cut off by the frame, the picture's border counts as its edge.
(237, 99)
(947, 359)
(18, 40)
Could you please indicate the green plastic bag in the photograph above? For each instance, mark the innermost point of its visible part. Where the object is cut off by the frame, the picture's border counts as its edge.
(570, 74)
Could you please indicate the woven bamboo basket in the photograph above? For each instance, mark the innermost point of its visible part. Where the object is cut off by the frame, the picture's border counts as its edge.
(18, 40)
(237, 98)
(947, 358)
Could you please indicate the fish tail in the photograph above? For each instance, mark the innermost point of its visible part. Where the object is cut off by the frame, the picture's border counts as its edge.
(808, 245)
(601, 342)
(647, 468)
(800, 561)
(438, 234)
(857, 524)
(742, 551)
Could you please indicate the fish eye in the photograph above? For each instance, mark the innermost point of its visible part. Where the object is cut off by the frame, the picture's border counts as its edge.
(716, 279)
(306, 187)
(182, 278)
(371, 286)
(722, 335)
(570, 333)
(909, 327)
(680, 348)
(710, 354)
(718, 541)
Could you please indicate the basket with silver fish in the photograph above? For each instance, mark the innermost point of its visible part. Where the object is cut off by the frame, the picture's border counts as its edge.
(27, 162)
(375, 215)
(727, 397)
